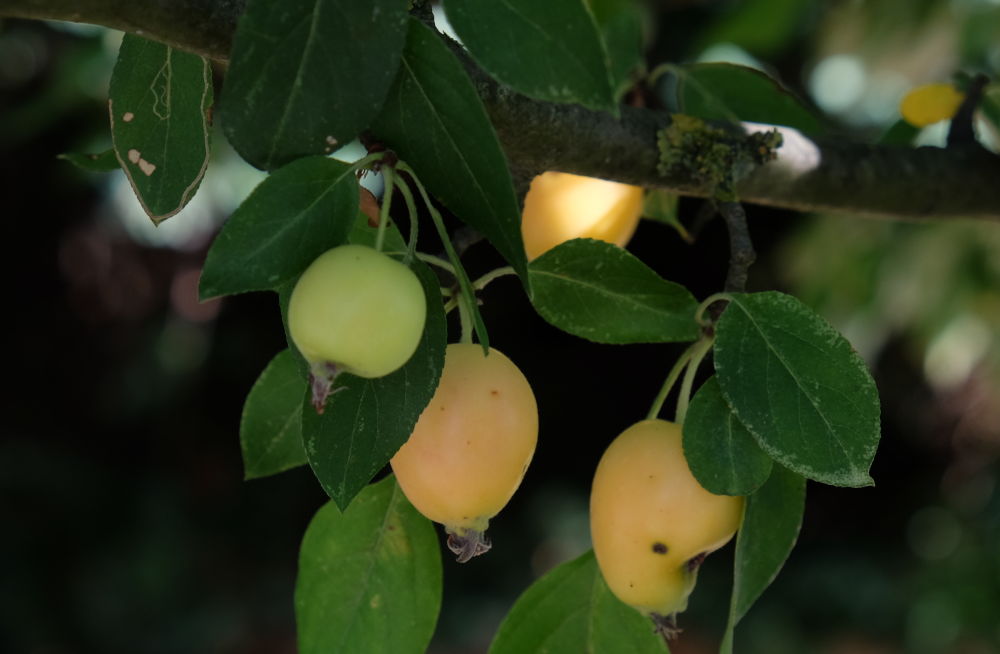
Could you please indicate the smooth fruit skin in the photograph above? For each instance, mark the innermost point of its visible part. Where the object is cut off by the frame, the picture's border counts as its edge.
(560, 206)
(472, 444)
(359, 310)
(651, 521)
(931, 103)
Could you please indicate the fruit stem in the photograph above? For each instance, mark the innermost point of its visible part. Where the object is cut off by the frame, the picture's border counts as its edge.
(411, 208)
(672, 376)
(698, 352)
(466, 321)
(699, 314)
(481, 283)
(665, 626)
(383, 217)
(471, 543)
(468, 296)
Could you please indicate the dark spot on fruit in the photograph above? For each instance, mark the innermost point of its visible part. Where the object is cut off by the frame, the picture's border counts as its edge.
(659, 548)
(494, 392)
(468, 442)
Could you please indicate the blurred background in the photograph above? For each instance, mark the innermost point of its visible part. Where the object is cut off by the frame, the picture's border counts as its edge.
(125, 525)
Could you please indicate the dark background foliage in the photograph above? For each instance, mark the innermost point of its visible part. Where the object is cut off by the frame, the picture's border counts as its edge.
(124, 522)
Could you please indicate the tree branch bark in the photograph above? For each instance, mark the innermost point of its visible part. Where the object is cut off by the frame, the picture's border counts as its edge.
(888, 181)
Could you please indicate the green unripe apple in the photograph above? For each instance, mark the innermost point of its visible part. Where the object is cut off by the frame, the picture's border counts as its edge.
(356, 310)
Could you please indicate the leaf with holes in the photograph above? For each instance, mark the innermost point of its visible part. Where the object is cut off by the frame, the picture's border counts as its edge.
(571, 609)
(158, 101)
(271, 426)
(600, 292)
(306, 76)
(800, 389)
(369, 577)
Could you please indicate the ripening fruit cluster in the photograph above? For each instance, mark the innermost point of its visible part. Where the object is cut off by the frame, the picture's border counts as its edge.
(357, 310)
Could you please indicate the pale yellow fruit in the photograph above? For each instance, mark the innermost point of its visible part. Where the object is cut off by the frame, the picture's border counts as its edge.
(651, 521)
(358, 311)
(471, 446)
(560, 206)
(931, 103)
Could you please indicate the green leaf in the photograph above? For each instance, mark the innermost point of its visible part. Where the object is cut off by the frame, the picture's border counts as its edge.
(271, 426)
(736, 93)
(366, 420)
(899, 133)
(292, 217)
(771, 523)
(620, 23)
(795, 382)
(434, 119)
(103, 162)
(306, 76)
(548, 50)
(369, 578)
(600, 292)
(722, 454)
(159, 102)
(661, 206)
(571, 611)
(763, 27)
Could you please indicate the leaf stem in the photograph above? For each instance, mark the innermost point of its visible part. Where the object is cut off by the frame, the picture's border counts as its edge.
(672, 376)
(698, 352)
(699, 314)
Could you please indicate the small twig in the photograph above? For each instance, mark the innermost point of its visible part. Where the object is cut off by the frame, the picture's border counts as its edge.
(962, 131)
(741, 252)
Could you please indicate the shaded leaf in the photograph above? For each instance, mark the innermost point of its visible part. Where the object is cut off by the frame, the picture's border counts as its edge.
(271, 426)
(571, 610)
(736, 93)
(600, 292)
(158, 102)
(103, 162)
(292, 217)
(548, 50)
(771, 524)
(366, 420)
(721, 452)
(795, 382)
(434, 119)
(306, 76)
(369, 577)
(620, 23)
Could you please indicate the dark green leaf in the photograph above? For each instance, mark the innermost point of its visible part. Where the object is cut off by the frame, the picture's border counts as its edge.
(620, 22)
(600, 292)
(737, 93)
(771, 525)
(795, 382)
(366, 420)
(104, 162)
(159, 102)
(899, 133)
(722, 454)
(292, 217)
(306, 76)
(548, 50)
(763, 27)
(271, 427)
(434, 119)
(571, 611)
(369, 578)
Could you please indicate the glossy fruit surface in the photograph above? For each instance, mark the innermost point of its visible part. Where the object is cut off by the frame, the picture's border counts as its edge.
(651, 521)
(931, 103)
(471, 446)
(358, 310)
(560, 206)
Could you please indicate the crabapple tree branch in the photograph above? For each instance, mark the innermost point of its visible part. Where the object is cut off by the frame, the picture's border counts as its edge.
(837, 175)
